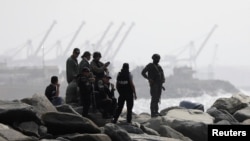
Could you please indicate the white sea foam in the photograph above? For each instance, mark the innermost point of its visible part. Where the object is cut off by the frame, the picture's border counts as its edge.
(143, 105)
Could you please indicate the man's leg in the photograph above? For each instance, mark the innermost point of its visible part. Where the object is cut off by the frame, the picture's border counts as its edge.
(155, 99)
(130, 104)
(118, 111)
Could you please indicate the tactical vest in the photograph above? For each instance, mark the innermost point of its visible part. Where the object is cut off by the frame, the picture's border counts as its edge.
(123, 83)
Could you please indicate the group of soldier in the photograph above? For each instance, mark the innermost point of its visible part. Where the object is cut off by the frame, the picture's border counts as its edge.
(89, 85)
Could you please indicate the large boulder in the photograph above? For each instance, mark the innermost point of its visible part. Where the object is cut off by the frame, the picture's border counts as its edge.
(242, 114)
(29, 128)
(220, 114)
(190, 114)
(40, 103)
(11, 112)
(66, 123)
(197, 131)
(166, 131)
(9, 134)
(149, 131)
(116, 133)
(67, 109)
(88, 137)
(146, 137)
(231, 104)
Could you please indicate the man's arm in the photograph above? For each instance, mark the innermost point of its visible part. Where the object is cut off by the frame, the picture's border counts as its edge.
(144, 72)
(57, 89)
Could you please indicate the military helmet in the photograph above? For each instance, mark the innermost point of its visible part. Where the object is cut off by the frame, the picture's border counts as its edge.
(97, 54)
(156, 57)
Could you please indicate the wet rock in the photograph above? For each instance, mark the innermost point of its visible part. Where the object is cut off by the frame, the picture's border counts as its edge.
(231, 104)
(12, 135)
(166, 131)
(221, 115)
(11, 112)
(89, 137)
(149, 131)
(58, 122)
(40, 103)
(242, 114)
(116, 133)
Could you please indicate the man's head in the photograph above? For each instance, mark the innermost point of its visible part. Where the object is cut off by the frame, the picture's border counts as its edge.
(54, 80)
(106, 78)
(156, 58)
(76, 52)
(86, 55)
(85, 71)
(97, 55)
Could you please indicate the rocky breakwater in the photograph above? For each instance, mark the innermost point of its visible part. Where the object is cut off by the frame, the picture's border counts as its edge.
(36, 119)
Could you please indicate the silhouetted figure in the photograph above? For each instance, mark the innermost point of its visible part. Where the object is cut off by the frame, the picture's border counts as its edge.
(105, 99)
(52, 91)
(126, 90)
(98, 68)
(85, 61)
(72, 65)
(85, 81)
(154, 74)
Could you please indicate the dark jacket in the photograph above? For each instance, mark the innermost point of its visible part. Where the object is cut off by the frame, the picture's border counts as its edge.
(71, 69)
(123, 83)
(50, 92)
(154, 72)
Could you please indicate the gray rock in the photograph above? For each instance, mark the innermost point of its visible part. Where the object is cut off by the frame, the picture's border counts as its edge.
(67, 109)
(131, 129)
(40, 103)
(242, 114)
(141, 118)
(12, 135)
(197, 131)
(149, 131)
(116, 133)
(89, 137)
(155, 123)
(190, 114)
(146, 137)
(246, 122)
(231, 104)
(221, 115)
(11, 112)
(29, 128)
(166, 131)
(66, 123)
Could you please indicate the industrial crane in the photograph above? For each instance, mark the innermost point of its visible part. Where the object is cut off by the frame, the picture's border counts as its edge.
(103, 36)
(73, 39)
(44, 38)
(194, 58)
(122, 41)
(113, 39)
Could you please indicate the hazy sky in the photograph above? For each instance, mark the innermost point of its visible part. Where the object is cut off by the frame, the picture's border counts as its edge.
(160, 26)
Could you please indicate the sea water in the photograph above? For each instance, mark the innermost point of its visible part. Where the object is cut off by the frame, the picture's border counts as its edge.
(142, 105)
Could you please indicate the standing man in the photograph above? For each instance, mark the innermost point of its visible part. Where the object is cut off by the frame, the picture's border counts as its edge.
(126, 90)
(85, 61)
(84, 82)
(72, 65)
(154, 74)
(98, 68)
